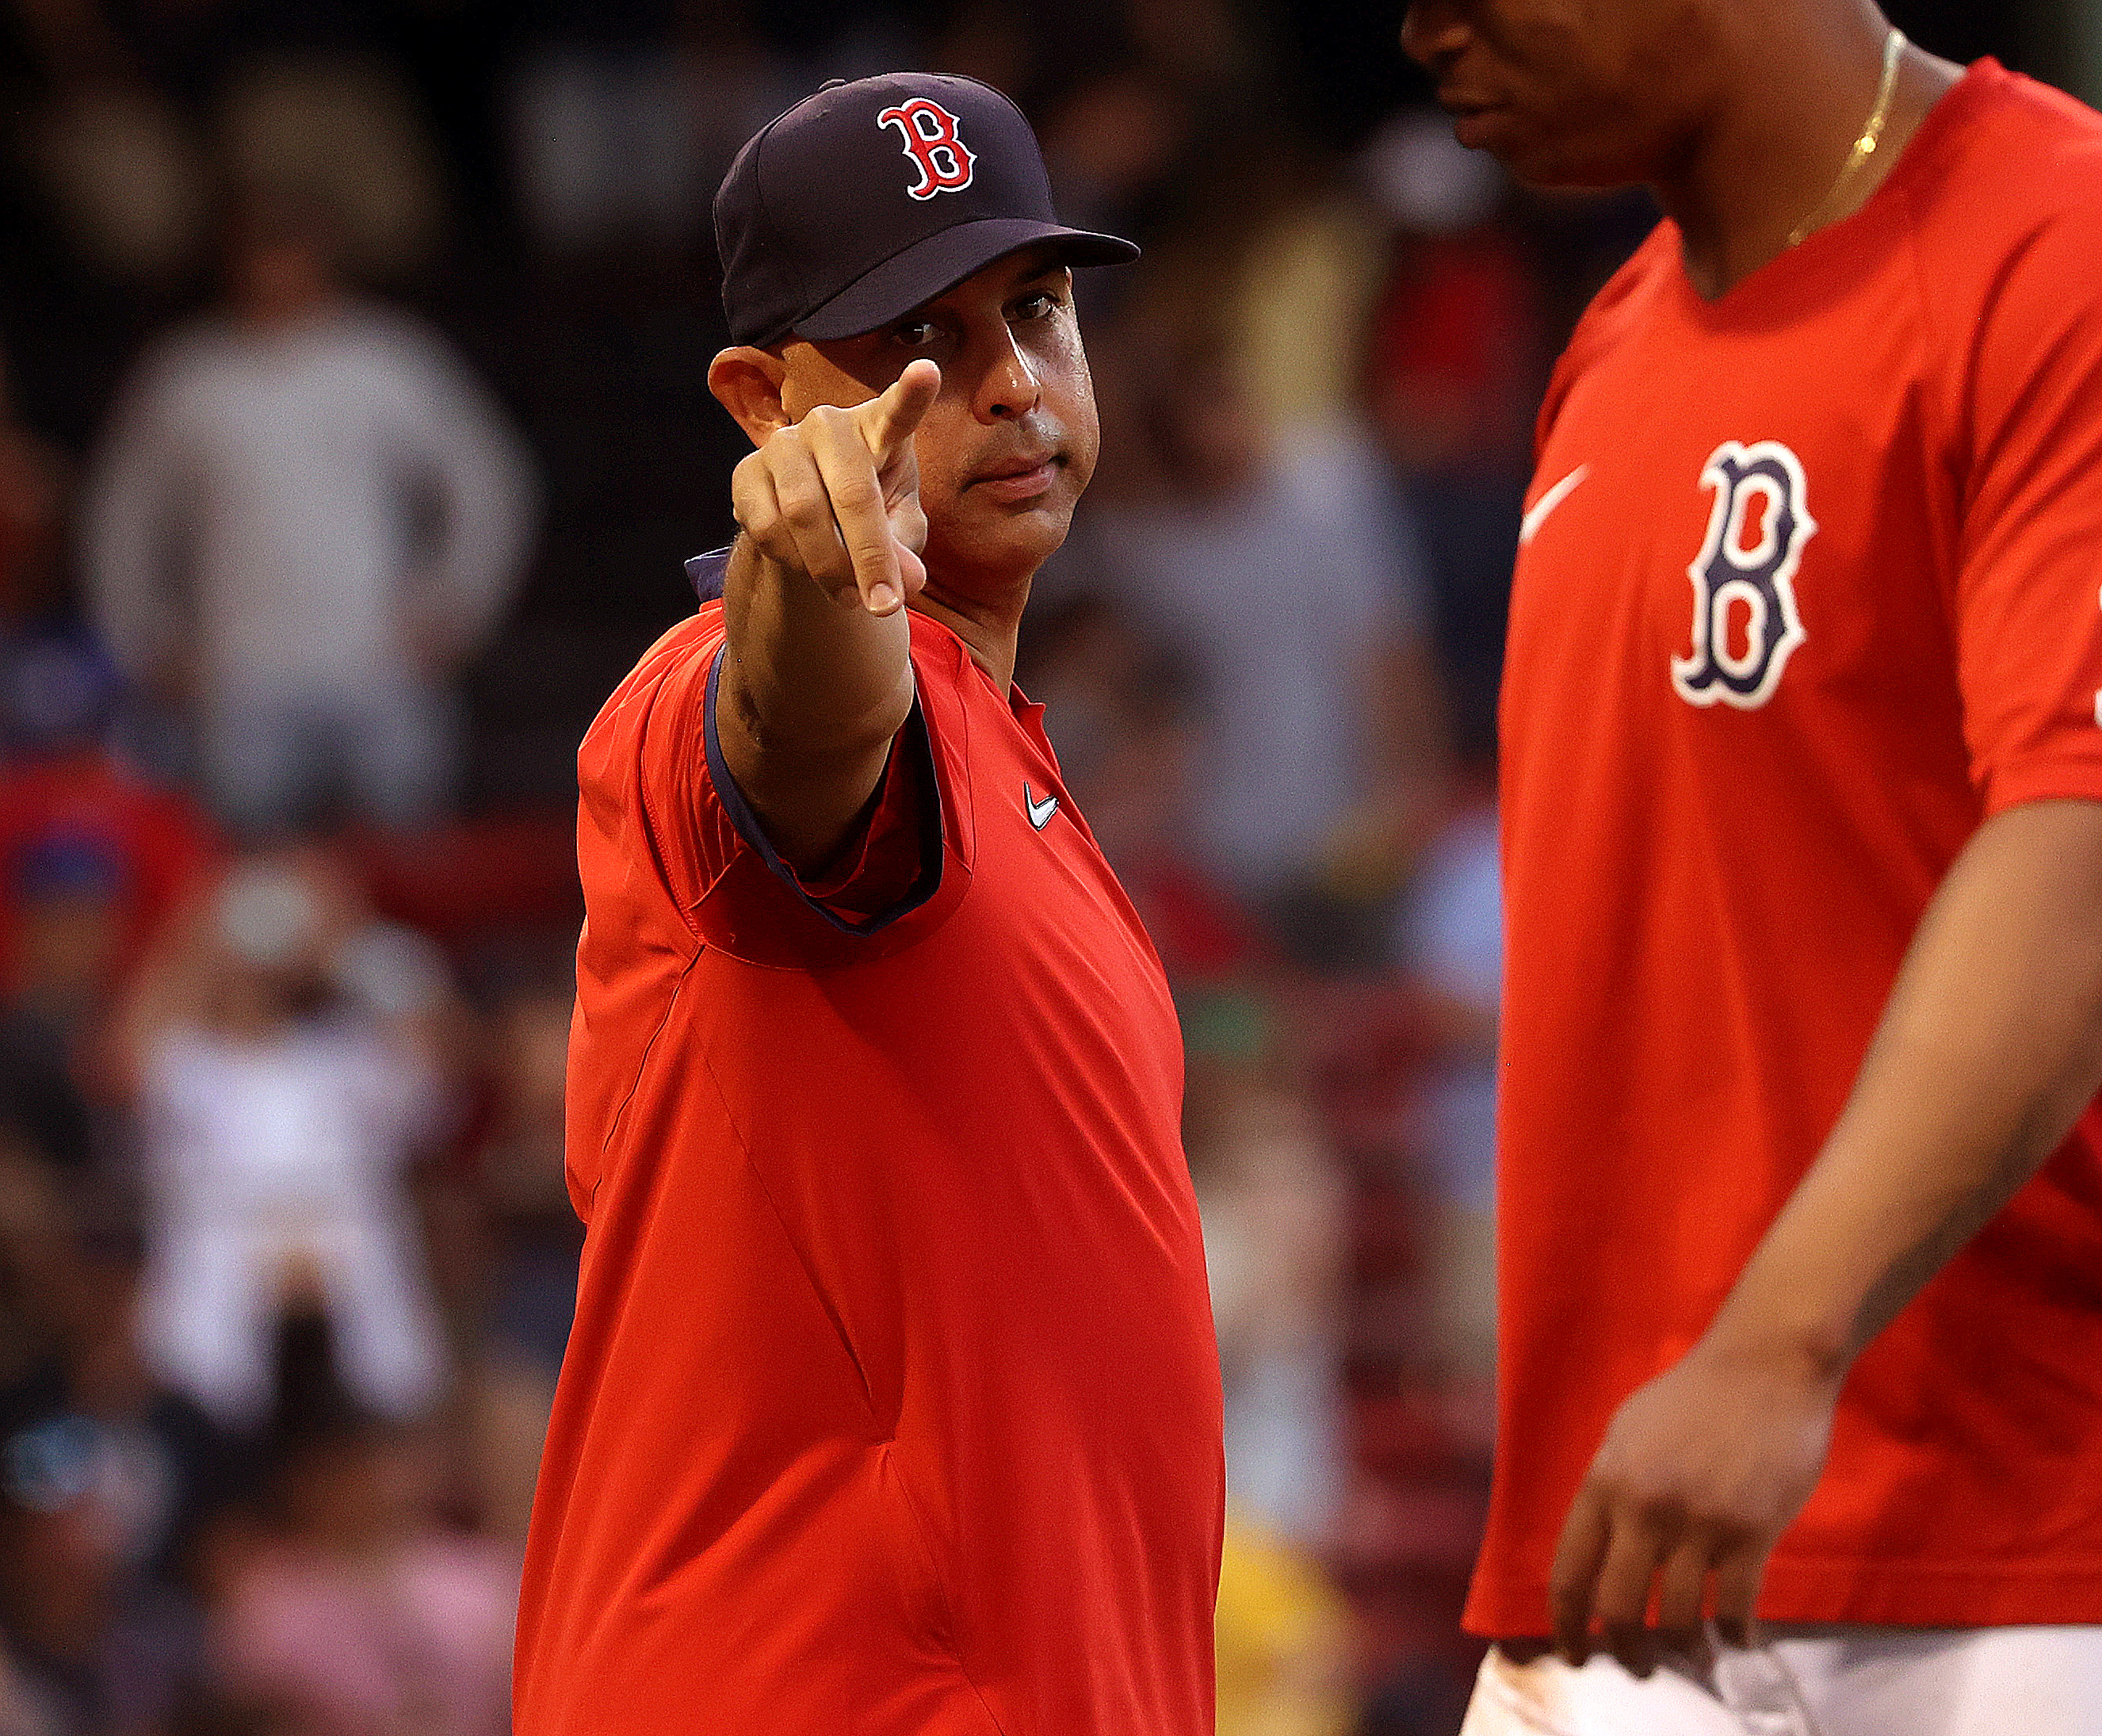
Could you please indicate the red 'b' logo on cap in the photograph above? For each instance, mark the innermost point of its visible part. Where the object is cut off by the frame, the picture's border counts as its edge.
(944, 160)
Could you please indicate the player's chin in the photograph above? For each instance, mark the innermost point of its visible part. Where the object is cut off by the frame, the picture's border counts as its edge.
(1564, 159)
(1015, 536)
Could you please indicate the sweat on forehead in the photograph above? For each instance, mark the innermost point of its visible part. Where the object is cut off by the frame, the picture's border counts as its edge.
(869, 199)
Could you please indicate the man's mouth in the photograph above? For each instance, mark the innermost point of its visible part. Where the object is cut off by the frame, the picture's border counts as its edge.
(1460, 107)
(1022, 477)
(1473, 121)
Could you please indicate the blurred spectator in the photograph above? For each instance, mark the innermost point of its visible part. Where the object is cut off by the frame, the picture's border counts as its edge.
(87, 1646)
(161, 1467)
(621, 132)
(527, 1288)
(125, 177)
(95, 859)
(135, 101)
(1306, 254)
(1120, 710)
(1456, 354)
(32, 498)
(1113, 143)
(356, 1612)
(1278, 563)
(65, 913)
(1272, 1202)
(1452, 945)
(284, 1056)
(346, 511)
(1453, 370)
(93, 862)
(42, 1279)
(1283, 1642)
(340, 125)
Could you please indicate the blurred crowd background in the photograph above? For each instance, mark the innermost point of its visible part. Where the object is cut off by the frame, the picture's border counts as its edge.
(353, 427)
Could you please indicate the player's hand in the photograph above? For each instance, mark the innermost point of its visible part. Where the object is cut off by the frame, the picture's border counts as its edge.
(836, 495)
(1700, 1473)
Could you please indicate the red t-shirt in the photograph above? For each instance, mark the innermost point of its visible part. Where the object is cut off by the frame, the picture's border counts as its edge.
(153, 846)
(892, 1405)
(1809, 589)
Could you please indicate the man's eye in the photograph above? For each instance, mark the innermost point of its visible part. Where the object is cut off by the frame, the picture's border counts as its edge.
(1036, 306)
(914, 333)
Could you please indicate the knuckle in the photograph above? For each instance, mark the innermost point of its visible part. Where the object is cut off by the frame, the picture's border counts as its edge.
(856, 494)
(1667, 1513)
(802, 505)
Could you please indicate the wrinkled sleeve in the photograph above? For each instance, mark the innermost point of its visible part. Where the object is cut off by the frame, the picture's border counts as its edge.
(737, 892)
(2028, 604)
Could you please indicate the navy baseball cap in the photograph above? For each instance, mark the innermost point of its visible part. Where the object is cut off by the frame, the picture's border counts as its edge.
(867, 199)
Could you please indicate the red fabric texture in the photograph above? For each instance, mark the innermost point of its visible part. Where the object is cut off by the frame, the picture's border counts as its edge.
(892, 1405)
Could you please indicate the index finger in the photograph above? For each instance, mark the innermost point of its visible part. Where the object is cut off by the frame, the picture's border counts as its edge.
(1737, 1577)
(1578, 1556)
(888, 420)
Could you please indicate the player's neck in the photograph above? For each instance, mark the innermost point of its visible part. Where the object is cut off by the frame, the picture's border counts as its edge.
(1773, 156)
(988, 625)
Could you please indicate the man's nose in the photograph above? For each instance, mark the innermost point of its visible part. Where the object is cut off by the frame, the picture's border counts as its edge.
(1007, 390)
(1433, 32)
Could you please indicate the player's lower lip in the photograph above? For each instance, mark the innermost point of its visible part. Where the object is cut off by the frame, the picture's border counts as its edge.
(1026, 486)
(1474, 127)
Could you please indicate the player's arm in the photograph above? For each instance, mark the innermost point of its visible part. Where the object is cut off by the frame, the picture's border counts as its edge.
(818, 677)
(1989, 1051)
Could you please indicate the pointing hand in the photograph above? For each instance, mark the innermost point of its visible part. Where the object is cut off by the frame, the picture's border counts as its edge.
(836, 495)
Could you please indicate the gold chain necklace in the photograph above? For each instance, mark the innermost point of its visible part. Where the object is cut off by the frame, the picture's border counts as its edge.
(1865, 147)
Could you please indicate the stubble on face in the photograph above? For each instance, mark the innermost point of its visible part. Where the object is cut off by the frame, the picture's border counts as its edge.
(989, 523)
(984, 518)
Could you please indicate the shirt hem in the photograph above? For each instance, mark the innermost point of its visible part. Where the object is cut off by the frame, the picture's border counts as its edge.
(2065, 783)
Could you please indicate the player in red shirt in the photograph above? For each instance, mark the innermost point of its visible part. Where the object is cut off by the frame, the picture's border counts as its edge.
(1801, 1243)
(892, 1405)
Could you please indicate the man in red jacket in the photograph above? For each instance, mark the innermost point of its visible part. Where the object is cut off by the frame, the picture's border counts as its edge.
(892, 1405)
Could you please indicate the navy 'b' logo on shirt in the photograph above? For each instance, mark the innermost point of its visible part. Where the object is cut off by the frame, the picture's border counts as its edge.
(1744, 621)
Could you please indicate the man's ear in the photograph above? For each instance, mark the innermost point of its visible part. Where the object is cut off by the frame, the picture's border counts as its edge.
(748, 383)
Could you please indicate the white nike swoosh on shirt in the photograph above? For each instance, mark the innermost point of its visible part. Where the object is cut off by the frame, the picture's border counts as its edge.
(1538, 514)
(1040, 812)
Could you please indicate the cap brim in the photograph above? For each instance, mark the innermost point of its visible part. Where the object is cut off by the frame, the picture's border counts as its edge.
(934, 266)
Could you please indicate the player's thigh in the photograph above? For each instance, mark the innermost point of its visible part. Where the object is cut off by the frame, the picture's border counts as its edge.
(1976, 1681)
(1545, 1697)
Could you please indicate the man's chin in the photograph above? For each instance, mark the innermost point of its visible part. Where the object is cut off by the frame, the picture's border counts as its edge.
(1003, 545)
(1546, 163)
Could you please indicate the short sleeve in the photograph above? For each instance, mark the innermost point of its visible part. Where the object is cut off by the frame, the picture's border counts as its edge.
(735, 891)
(2029, 575)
